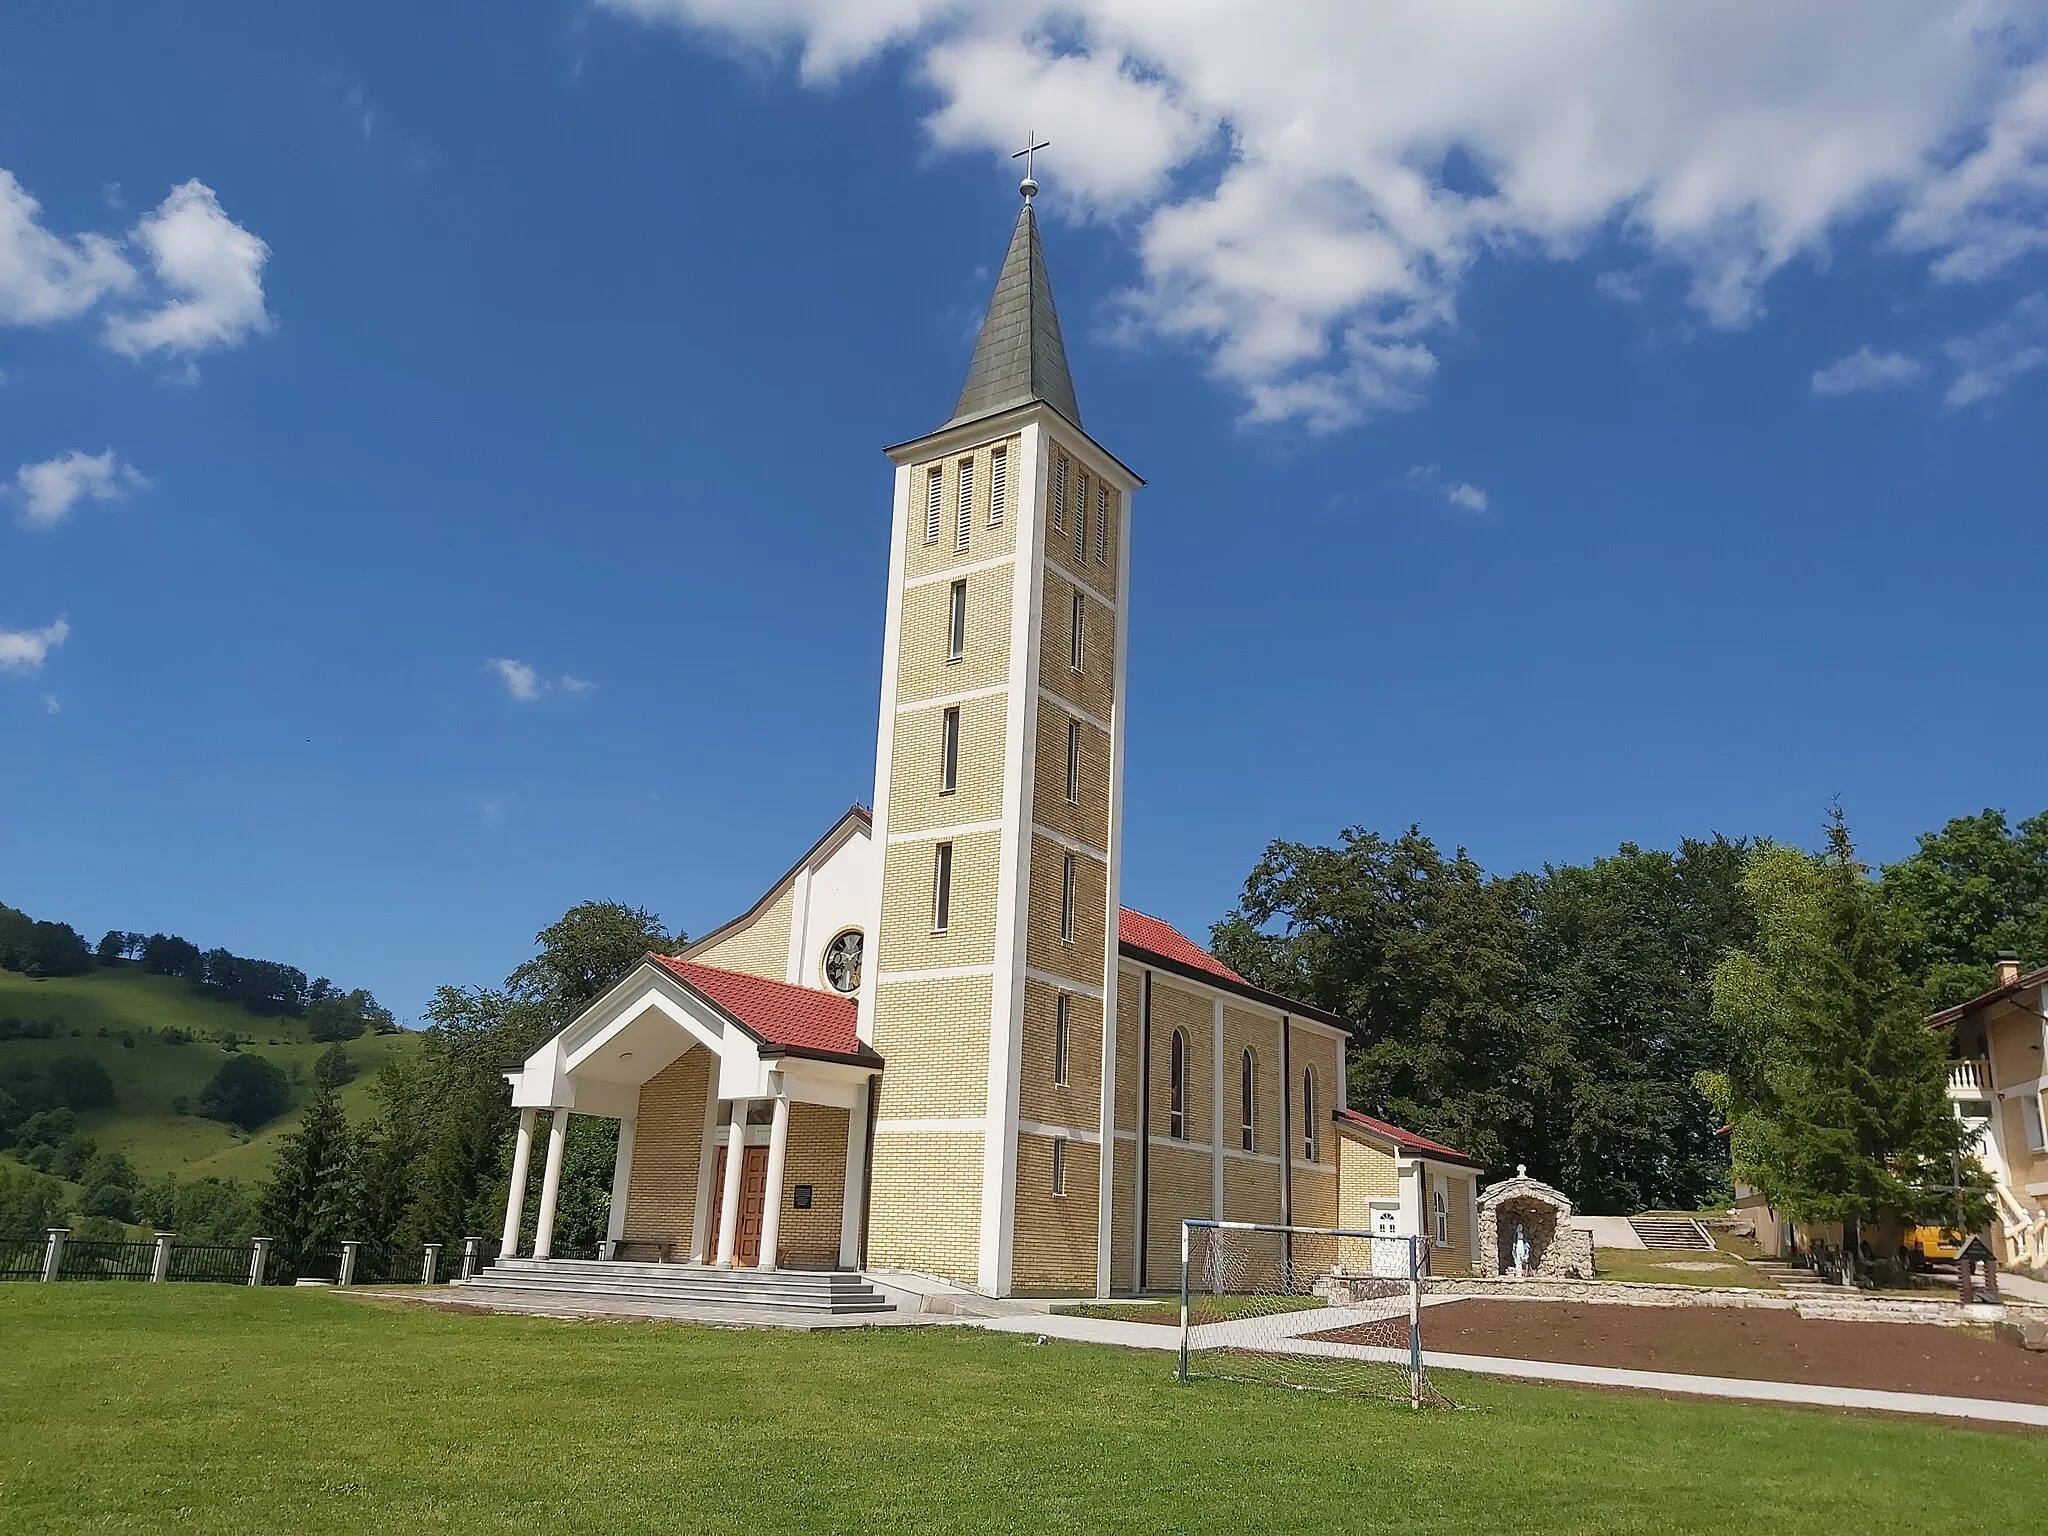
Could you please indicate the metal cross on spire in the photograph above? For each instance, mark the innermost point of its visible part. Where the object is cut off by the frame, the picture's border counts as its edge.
(1032, 145)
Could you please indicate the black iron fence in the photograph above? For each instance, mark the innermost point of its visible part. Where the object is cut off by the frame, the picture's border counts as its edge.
(211, 1263)
(21, 1258)
(107, 1261)
(352, 1263)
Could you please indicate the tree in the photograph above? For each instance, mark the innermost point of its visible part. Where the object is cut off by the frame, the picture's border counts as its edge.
(206, 1210)
(333, 1068)
(169, 955)
(81, 1082)
(29, 1203)
(307, 1202)
(1837, 1093)
(113, 945)
(1968, 891)
(334, 1015)
(584, 953)
(245, 1092)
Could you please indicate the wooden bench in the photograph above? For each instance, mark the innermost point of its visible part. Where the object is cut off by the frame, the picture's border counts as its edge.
(662, 1249)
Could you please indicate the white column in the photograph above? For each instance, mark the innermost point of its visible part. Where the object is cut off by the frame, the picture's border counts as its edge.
(551, 1186)
(622, 1183)
(515, 1197)
(856, 1179)
(703, 1221)
(729, 1198)
(1216, 1103)
(771, 1197)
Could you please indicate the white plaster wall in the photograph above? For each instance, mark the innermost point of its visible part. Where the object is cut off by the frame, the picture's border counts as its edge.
(843, 892)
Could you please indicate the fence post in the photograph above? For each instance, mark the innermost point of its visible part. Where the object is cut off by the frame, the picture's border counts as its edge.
(259, 1259)
(1415, 1322)
(431, 1265)
(472, 1250)
(160, 1266)
(350, 1247)
(1185, 1228)
(53, 1254)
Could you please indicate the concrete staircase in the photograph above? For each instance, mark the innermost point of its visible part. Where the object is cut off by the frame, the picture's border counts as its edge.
(592, 1284)
(1794, 1281)
(1669, 1232)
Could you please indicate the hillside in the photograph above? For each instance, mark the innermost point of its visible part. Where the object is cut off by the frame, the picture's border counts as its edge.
(119, 1017)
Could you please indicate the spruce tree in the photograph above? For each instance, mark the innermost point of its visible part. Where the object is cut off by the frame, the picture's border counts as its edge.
(307, 1203)
(1837, 1092)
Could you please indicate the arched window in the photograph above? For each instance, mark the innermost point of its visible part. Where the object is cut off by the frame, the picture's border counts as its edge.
(1308, 1113)
(1177, 1100)
(1248, 1100)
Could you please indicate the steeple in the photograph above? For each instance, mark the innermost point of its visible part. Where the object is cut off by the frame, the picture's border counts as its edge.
(1019, 356)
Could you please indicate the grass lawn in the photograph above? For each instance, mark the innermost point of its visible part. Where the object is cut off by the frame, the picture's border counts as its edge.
(1679, 1266)
(1201, 1309)
(222, 1409)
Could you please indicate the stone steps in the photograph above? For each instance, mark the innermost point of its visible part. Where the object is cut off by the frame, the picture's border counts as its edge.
(1672, 1232)
(833, 1292)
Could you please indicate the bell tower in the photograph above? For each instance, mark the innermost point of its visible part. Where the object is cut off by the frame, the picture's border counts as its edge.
(998, 819)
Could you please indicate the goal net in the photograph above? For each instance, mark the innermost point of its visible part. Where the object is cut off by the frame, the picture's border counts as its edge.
(1315, 1308)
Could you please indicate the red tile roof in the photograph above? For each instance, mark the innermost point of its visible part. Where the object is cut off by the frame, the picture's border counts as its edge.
(795, 1018)
(1407, 1140)
(1150, 934)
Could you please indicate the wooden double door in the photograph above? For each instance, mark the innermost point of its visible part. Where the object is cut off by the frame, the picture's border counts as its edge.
(753, 1193)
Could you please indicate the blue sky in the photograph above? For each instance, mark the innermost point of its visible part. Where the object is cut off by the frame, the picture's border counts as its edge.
(1547, 489)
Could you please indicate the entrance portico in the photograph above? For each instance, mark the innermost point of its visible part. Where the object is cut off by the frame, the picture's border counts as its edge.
(722, 1084)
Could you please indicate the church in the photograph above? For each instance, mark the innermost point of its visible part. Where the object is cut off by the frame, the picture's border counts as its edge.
(939, 1043)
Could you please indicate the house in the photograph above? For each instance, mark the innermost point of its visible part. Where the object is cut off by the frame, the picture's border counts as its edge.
(1996, 1079)
(940, 1042)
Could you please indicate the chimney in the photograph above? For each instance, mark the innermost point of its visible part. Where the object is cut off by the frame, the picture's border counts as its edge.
(2008, 967)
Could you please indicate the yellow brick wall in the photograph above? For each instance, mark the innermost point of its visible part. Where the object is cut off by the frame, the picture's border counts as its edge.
(759, 949)
(1244, 1030)
(1179, 1187)
(908, 943)
(1173, 1008)
(1093, 689)
(1052, 1247)
(1083, 959)
(1087, 822)
(1251, 1190)
(923, 672)
(1079, 1103)
(915, 801)
(1130, 996)
(934, 1036)
(985, 543)
(1123, 1214)
(1315, 1205)
(1457, 1258)
(1098, 572)
(817, 1157)
(1313, 1048)
(925, 1205)
(1365, 1173)
(668, 1141)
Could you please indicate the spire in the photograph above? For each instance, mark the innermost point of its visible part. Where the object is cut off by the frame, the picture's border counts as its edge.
(1019, 356)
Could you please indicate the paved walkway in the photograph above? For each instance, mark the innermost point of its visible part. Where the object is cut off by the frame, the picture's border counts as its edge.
(1089, 1330)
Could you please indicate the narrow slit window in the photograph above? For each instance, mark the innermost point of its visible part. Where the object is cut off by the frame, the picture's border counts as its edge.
(942, 887)
(1442, 1203)
(1059, 493)
(1102, 523)
(1062, 1034)
(1247, 1095)
(1073, 762)
(965, 521)
(934, 510)
(1074, 636)
(998, 485)
(1067, 901)
(949, 751)
(1308, 1113)
(956, 622)
(1177, 1089)
(1059, 1165)
(1081, 520)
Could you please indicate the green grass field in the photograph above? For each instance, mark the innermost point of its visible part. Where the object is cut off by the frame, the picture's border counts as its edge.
(151, 1075)
(1679, 1267)
(129, 1407)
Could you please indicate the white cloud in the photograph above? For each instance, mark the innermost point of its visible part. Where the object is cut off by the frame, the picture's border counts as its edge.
(211, 266)
(52, 488)
(23, 650)
(51, 705)
(1866, 369)
(1987, 361)
(521, 681)
(575, 685)
(1463, 496)
(45, 277)
(1307, 181)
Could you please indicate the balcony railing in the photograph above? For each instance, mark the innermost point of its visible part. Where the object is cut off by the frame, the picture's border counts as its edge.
(1969, 1078)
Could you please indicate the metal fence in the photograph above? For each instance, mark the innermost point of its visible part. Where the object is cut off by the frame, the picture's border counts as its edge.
(263, 1261)
(21, 1258)
(107, 1261)
(211, 1263)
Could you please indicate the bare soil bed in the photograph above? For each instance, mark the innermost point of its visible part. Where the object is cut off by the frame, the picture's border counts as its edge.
(1745, 1343)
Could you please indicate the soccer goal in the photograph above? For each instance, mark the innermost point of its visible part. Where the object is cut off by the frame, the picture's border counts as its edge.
(1320, 1309)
